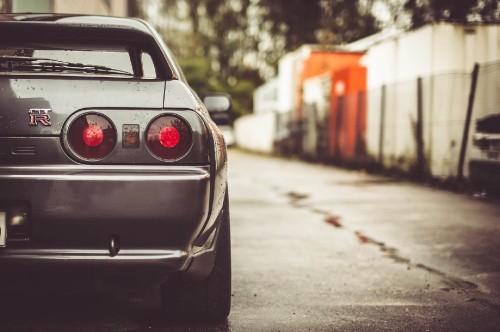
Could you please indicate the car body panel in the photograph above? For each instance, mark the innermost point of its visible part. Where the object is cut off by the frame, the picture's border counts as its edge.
(65, 96)
(81, 207)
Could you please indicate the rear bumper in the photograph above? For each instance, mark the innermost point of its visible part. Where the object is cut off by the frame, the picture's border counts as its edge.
(157, 213)
(152, 261)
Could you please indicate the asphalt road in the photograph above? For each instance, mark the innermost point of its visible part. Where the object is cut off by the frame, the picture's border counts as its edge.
(315, 248)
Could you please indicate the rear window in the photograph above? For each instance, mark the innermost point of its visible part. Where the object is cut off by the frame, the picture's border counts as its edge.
(76, 60)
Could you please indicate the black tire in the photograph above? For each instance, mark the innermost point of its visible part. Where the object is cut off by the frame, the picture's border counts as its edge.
(208, 300)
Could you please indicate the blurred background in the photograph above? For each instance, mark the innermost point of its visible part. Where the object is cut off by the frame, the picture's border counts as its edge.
(387, 84)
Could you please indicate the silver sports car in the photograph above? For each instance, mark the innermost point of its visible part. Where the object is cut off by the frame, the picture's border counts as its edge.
(109, 162)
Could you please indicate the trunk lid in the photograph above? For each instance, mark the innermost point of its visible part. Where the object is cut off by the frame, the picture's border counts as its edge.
(62, 96)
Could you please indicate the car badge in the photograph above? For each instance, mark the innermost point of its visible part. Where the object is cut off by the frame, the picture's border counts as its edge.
(39, 115)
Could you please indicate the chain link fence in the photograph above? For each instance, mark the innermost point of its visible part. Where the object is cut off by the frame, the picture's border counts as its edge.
(416, 126)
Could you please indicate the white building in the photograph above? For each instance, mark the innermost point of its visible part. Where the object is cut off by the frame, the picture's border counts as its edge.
(265, 97)
(433, 49)
(443, 55)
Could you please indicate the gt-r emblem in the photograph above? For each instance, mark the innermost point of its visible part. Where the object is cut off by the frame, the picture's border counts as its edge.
(39, 115)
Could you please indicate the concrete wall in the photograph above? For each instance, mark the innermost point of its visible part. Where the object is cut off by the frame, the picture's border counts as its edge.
(287, 83)
(256, 132)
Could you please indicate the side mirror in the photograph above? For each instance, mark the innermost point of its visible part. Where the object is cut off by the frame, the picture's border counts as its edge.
(217, 102)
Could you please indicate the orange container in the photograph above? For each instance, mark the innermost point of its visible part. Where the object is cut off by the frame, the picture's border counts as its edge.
(321, 62)
(347, 121)
(348, 114)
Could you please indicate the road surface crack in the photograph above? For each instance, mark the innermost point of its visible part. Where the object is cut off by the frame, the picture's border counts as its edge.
(459, 285)
(453, 283)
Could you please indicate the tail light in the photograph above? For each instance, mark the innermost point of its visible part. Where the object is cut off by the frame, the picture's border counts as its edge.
(168, 137)
(92, 137)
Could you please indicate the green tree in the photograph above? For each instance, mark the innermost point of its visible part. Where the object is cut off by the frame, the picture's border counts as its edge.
(212, 53)
(348, 20)
(292, 23)
(296, 21)
(461, 11)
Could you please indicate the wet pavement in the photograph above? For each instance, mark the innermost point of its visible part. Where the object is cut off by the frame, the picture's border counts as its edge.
(315, 248)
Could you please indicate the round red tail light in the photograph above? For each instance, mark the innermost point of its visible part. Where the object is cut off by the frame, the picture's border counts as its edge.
(92, 137)
(168, 137)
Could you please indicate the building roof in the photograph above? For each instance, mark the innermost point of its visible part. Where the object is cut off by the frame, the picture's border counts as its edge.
(363, 44)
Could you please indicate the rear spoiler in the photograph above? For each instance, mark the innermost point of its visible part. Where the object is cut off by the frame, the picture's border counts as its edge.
(78, 33)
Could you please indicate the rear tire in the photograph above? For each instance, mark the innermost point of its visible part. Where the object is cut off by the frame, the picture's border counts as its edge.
(208, 300)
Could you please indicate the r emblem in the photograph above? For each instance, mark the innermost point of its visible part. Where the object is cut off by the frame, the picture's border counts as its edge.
(39, 115)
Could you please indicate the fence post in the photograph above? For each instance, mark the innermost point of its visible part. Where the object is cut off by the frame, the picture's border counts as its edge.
(6, 7)
(465, 137)
(419, 132)
(360, 146)
(339, 118)
(382, 126)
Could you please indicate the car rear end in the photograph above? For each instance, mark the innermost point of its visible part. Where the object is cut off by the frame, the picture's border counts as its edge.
(484, 165)
(104, 155)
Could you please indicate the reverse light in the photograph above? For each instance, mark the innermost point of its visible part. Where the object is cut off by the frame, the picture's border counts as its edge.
(92, 137)
(168, 137)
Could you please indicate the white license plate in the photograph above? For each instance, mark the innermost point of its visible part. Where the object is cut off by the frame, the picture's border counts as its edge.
(3, 228)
